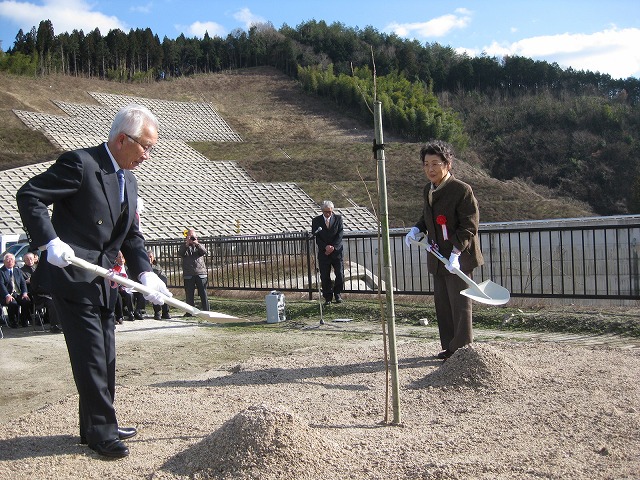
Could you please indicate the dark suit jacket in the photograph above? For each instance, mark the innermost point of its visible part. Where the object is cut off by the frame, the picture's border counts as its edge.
(328, 236)
(83, 188)
(5, 282)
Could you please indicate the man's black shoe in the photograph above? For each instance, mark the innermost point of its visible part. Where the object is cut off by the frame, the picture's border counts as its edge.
(327, 303)
(127, 432)
(130, 318)
(113, 448)
(138, 316)
(123, 434)
(156, 316)
(338, 299)
(166, 316)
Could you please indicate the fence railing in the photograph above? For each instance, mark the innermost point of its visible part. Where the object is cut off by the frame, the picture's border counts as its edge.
(598, 261)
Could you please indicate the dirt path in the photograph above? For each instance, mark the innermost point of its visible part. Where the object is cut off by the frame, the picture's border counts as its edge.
(307, 401)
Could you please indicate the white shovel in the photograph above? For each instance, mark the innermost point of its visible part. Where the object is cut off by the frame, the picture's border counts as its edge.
(486, 292)
(127, 282)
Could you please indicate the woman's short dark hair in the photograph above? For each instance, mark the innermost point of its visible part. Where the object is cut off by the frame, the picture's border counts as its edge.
(440, 148)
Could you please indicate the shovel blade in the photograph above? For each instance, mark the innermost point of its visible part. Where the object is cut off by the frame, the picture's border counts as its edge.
(215, 317)
(487, 292)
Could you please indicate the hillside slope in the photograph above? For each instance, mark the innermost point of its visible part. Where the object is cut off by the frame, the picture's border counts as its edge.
(289, 136)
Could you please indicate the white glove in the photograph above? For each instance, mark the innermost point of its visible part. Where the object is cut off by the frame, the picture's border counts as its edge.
(152, 281)
(454, 262)
(412, 235)
(56, 250)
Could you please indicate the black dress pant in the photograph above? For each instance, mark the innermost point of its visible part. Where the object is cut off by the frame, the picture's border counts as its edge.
(139, 301)
(19, 307)
(164, 308)
(325, 263)
(190, 285)
(89, 332)
(124, 304)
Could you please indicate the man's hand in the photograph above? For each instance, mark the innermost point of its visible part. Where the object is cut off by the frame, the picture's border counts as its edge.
(328, 250)
(56, 251)
(153, 282)
(8, 299)
(412, 235)
(192, 240)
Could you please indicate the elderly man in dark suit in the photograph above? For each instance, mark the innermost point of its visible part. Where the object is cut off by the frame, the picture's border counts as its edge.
(93, 193)
(328, 230)
(13, 290)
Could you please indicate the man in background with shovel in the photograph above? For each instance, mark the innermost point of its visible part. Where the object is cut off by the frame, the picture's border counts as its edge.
(450, 220)
(94, 195)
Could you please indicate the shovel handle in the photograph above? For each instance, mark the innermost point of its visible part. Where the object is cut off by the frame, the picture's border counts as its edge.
(127, 282)
(500, 295)
(446, 262)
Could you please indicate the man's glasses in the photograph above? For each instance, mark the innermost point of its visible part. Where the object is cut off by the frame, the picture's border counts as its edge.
(146, 150)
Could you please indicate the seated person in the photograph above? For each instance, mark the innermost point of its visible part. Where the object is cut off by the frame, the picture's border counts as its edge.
(13, 291)
(158, 271)
(40, 298)
(140, 305)
(124, 302)
(28, 268)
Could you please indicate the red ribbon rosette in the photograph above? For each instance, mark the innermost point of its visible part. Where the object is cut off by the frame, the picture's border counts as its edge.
(116, 271)
(442, 221)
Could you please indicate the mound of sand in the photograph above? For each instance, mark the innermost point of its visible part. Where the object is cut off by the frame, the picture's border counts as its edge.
(478, 366)
(259, 440)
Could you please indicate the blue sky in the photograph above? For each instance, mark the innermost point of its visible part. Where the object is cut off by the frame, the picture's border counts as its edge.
(601, 36)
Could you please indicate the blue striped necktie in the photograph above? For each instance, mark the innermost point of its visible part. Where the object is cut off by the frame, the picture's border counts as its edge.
(120, 174)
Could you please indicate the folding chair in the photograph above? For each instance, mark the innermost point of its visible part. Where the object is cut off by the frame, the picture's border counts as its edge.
(38, 312)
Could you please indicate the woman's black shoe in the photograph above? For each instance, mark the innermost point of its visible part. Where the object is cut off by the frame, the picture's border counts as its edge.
(444, 354)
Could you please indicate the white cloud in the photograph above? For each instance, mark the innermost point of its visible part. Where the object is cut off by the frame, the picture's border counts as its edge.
(198, 29)
(245, 16)
(66, 16)
(610, 51)
(436, 27)
(142, 8)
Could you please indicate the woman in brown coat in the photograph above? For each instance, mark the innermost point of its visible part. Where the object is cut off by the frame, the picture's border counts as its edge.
(450, 220)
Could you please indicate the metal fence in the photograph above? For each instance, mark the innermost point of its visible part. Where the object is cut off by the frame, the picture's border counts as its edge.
(595, 259)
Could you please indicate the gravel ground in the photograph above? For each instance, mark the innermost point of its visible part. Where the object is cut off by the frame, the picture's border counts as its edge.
(308, 402)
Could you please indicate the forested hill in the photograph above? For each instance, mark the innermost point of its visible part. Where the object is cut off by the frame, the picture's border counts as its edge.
(574, 132)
